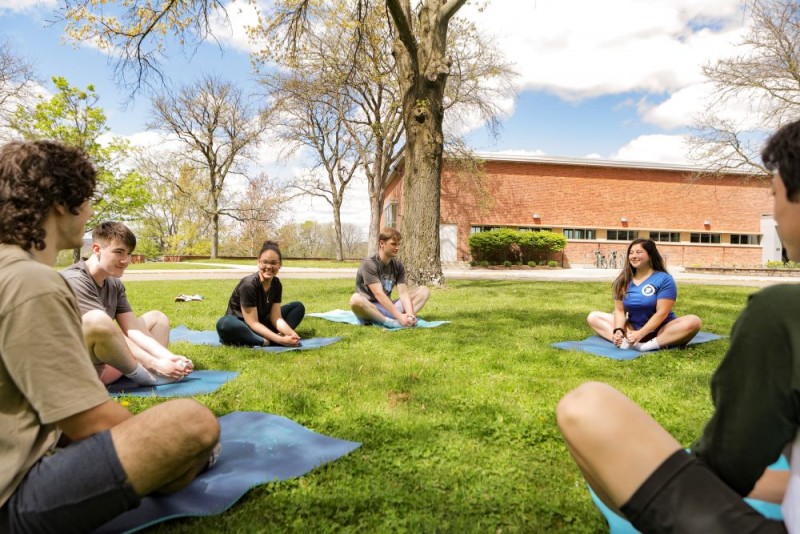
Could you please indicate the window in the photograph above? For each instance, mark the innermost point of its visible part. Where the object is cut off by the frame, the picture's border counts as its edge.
(667, 237)
(621, 235)
(390, 214)
(579, 233)
(704, 238)
(475, 229)
(745, 239)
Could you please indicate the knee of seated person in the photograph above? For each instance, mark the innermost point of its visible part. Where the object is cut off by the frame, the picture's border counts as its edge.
(200, 427)
(424, 292)
(300, 306)
(592, 317)
(696, 324)
(581, 404)
(356, 300)
(97, 323)
(156, 317)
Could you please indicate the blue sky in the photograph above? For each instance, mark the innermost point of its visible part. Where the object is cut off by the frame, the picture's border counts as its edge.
(619, 79)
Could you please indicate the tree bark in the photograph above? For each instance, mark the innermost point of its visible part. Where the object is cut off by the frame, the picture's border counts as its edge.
(423, 68)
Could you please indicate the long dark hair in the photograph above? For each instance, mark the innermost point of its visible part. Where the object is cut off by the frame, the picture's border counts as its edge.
(625, 277)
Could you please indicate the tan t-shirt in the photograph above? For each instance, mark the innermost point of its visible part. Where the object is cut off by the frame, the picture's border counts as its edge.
(45, 372)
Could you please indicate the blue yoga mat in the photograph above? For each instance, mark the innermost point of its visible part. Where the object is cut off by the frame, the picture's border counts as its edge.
(601, 347)
(346, 316)
(209, 337)
(257, 448)
(619, 525)
(197, 383)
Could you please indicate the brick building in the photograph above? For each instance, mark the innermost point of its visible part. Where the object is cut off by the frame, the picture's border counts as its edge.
(600, 206)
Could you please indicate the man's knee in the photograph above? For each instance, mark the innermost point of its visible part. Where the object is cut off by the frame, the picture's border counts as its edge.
(96, 323)
(155, 317)
(357, 301)
(423, 293)
(581, 405)
(197, 426)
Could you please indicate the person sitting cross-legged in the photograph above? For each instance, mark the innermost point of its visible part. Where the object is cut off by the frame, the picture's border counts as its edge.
(108, 458)
(120, 342)
(377, 277)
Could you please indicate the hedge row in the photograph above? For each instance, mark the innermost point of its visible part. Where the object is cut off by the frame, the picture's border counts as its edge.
(505, 244)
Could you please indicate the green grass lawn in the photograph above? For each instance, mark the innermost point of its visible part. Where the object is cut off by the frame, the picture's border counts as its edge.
(457, 423)
(168, 266)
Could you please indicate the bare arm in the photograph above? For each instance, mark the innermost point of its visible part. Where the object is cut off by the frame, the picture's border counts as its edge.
(250, 315)
(89, 422)
(282, 326)
(663, 307)
(403, 318)
(771, 487)
(620, 320)
(405, 300)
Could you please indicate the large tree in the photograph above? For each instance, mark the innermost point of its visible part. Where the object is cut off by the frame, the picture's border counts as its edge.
(351, 44)
(420, 50)
(16, 82)
(73, 117)
(762, 83)
(311, 117)
(220, 128)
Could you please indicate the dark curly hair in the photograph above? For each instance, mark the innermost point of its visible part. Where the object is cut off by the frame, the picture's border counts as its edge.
(34, 177)
(782, 154)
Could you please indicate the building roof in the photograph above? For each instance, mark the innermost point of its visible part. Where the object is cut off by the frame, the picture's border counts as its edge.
(597, 162)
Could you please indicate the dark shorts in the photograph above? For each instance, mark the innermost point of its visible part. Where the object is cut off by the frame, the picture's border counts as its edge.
(655, 332)
(76, 489)
(684, 496)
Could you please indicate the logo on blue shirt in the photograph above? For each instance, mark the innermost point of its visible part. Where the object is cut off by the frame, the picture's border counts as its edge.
(649, 290)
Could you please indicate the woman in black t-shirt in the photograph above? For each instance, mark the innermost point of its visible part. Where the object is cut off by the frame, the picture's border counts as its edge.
(254, 315)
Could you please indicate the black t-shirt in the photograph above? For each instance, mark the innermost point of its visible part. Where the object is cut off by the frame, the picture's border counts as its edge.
(250, 294)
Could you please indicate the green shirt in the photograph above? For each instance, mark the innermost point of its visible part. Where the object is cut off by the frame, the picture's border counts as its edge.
(756, 390)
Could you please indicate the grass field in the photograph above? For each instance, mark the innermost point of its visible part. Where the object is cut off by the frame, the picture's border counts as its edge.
(457, 423)
(319, 264)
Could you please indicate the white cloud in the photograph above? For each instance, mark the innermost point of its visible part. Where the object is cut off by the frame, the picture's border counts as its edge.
(233, 31)
(585, 49)
(657, 148)
(24, 5)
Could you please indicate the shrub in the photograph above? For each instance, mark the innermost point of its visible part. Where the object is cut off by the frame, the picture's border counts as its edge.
(505, 244)
(473, 263)
(777, 264)
(552, 263)
(531, 264)
(483, 263)
(542, 262)
(506, 263)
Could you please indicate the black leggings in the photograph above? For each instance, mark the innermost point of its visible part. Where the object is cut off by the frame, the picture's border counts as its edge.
(234, 331)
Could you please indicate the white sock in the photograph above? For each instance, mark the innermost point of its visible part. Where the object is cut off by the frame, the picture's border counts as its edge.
(143, 377)
(647, 345)
(391, 323)
(624, 345)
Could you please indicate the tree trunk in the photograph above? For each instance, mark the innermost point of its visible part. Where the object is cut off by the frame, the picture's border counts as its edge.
(214, 236)
(76, 255)
(423, 114)
(375, 208)
(337, 226)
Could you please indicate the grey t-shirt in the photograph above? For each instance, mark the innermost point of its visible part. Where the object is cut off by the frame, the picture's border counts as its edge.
(110, 298)
(374, 270)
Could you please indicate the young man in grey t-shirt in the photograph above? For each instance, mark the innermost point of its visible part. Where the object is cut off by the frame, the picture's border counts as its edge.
(377, 277)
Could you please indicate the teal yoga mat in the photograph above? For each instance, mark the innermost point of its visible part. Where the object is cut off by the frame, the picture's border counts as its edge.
(598, 346)
(257, 448)
(197, 383)
(209, 337)
(348, 317)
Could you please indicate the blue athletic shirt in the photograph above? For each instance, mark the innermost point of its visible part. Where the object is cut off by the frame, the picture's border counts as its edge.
(640, 301)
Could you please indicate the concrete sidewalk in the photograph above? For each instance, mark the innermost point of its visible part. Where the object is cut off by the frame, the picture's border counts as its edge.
(580, 274)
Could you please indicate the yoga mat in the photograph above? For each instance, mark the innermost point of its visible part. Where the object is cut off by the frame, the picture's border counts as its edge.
(197, 383)
(209, 337)
(601, 347)
(256, 448)
(346, 316)
(619, 525)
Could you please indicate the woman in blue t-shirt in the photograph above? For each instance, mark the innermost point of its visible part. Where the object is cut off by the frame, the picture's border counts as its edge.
(644, 294)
